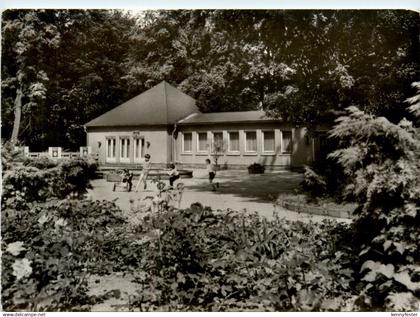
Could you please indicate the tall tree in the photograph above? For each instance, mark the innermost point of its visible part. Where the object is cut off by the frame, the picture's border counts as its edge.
(27, 38)
(81, 70)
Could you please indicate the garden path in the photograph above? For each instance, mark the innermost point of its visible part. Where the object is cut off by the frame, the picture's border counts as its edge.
(238, 191)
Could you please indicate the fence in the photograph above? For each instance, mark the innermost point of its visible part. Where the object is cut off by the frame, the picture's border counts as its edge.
(55, 152)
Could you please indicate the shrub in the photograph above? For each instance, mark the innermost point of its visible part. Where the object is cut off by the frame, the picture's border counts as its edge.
(49, 251)
(9, 156)
(26, 184)
(313, 183)
(200, 260)
(382, 161)
(42, 162)
(256, 168)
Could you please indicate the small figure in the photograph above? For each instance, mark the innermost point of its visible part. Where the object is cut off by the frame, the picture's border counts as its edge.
(212, 174)
(146, 165)
(128, 178)
(173, 174)
(126, 181)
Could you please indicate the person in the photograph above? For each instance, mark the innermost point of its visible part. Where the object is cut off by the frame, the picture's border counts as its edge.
(212, 174)
(127, 179)
(145, 172)
(173, 174)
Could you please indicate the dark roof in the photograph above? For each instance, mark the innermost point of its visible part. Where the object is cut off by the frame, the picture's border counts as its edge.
(161, 104)
(222, 117)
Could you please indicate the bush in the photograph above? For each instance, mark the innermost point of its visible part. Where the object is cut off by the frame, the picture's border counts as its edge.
(200, 260)
(42, 162)
(49, 251)
(313, 183)
(256, 168)
(27, 184)
(382, 161)
(9, 156)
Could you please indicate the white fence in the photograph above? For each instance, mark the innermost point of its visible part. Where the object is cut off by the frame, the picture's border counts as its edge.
(55, 152)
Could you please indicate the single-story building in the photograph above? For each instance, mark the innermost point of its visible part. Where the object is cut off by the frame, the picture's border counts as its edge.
(166, 123)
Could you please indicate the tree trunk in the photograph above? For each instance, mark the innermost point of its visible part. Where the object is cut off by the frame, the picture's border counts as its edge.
(18, 114)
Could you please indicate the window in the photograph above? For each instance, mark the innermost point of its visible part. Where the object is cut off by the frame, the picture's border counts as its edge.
(110, 148)
(187, 142)
(268, 141)
(250, 141)
(218, 145)
(218, 137)
(138, 148)
(233, 142)
(202, 142)
(286, 146)
(125, 149)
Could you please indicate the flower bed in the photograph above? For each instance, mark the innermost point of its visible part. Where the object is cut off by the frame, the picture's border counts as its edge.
(299, 203)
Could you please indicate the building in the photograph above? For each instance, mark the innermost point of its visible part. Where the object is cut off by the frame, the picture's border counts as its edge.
(165, 122)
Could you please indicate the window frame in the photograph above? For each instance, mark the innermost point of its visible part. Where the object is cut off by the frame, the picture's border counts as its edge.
(113, 149)
(228, 142)
(183, 142)
(245, 142)
(141, 149)
(263, 139)
(205, 151)
(125, 158)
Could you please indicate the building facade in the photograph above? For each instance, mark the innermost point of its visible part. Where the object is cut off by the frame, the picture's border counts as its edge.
(165, 123)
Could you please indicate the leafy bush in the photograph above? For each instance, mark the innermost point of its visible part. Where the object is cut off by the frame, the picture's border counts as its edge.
(9, 156)
(26, 184)
(42, 162)
(49, 251)
(382, 162)
(313, 183)
(256, 168)
(200, 260)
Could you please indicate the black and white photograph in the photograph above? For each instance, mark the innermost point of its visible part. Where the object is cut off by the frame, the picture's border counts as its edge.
(210, 160)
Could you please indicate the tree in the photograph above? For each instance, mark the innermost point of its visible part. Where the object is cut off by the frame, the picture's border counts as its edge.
(29, 36)
(67, 79)
(218, 149)
(297, 65)
(381, 160)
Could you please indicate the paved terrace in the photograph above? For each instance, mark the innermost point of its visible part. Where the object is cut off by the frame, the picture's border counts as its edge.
(238, 191)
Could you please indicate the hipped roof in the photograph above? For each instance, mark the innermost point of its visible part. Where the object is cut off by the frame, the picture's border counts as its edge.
(160, 105)
(224, 117)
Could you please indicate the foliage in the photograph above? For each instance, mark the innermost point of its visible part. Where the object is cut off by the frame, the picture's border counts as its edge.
(218, 149)
(27, 184)
(256, 168)
(42, 162)
(9, 156)
(297, 65)
(56, 105)
(201, 260)
(313, 183)
(382, 161)
(415, 102)
(49, 250)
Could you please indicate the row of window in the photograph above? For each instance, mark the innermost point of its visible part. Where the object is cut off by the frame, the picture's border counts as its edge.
(232, 144)
(124, 150)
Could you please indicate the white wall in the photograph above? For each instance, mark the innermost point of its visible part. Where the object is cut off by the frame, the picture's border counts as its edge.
(300, 155)
(156, 137)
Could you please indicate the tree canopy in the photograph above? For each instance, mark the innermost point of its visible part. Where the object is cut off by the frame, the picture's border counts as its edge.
(73, 65)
